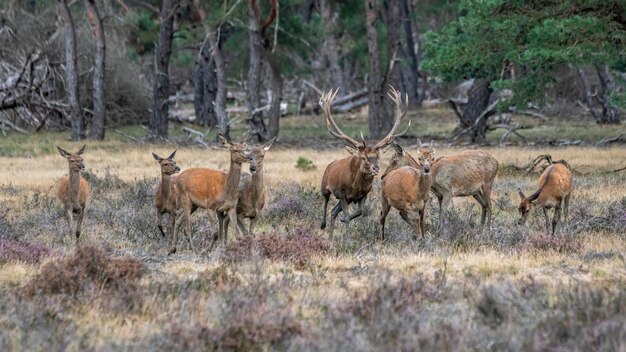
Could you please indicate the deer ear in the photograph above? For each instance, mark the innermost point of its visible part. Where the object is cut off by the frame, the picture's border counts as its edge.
(156, 157)
(82, 150)
(224, 141)
(521, 194)
(172, 155)
(419, 143)
(398, 148)
(432, 145)
(267, 145)
(351, 150)
(63, 152)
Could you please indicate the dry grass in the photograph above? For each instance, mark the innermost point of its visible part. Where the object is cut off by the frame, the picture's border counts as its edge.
(288, 289)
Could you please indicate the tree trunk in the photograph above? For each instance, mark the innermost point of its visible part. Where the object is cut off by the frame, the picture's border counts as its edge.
(379, 122)
(330, 47)
(473, 114)
(223, 123)
(99, 102)
(161, 83)
(71, 71)
(205, 81)
(410, 70)
(392, 12)
(276, 87)
(610, 113)
(255, 122)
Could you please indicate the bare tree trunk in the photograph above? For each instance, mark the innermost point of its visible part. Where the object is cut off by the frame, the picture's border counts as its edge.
(610, 113)
(276, 86)
(99, 101)
(586, 92)
(205, 82)
(256, 124)
(474, 114)
(330, 48)
(379, 122)
(71, 71)
(223, 123)
(410, 70)
(161, 84)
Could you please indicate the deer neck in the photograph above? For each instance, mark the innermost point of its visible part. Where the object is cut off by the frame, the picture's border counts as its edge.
(166, 185)
(257, 183)
(424, 184)
(74, 185)
(232, 182)
(362, 179)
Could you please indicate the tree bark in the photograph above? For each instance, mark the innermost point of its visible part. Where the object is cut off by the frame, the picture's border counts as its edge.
(276, 87)
(255, 122)
(330, 48)
(610, 113)
(410, 69)
(71, 71)
(477, 103)
(161, 83)
(205, 81)
(99, 101)
(223, 123)
(379, 122)
(392, 16)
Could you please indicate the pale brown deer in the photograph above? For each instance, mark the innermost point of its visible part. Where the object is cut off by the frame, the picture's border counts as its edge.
(214, 190)
(251, 190)
(350, 179)
(555, 187)
(74, 190)
(399, 159)
(464, 174)
(407, 189)
(166, 197)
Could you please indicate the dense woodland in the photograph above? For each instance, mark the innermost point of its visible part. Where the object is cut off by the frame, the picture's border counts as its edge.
(88, 66)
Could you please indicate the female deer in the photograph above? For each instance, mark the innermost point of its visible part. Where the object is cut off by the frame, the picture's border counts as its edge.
(74, 190)
(166, 197)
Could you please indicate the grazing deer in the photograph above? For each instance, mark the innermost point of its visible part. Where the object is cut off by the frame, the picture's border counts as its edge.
(166, 197)
(464, 174)
(74, 190)
(407, 188)
(555, 186)
(350, 179)
(251, 190)
(214, 190)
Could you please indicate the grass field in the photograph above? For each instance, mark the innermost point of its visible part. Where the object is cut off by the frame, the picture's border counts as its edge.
(289, 288)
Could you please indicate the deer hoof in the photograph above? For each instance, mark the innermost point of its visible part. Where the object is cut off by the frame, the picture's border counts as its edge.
(171, 251)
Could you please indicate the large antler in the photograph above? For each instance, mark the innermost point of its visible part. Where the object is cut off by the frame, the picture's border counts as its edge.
(326, 101)
(400, 113)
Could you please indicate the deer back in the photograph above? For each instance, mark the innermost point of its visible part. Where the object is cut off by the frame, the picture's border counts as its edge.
(204, 187)
(555, 183)
(465, 172)
(405, 188)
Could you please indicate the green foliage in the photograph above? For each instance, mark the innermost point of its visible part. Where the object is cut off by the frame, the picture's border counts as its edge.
(144, 33)
(305, 164)
(532, 38)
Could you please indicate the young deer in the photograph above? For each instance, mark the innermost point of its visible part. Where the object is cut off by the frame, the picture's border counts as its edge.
(74, 190)
(555, 187)
(399, 159)
(464, 174)
(166, 197)
(214, 190)
(406, 189)
(350, 179)
(251, 190)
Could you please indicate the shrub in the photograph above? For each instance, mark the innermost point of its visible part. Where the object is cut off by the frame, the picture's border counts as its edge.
(543, 242)
(18, 251)
(305, 164)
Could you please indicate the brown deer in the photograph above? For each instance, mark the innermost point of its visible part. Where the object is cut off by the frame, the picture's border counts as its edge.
(74, 190)
(406, 189)
(350, 179)
(166, 197)
(214, 190)
(464, 174)
(399, 159)
(251, 190)
(555, 187)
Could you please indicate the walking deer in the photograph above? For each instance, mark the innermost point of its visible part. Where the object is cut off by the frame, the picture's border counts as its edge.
(214, 190)
(464, 174)
(350, 179)
(251, 190)
(166, 197)
(555, 187)
(406, 189)
(74, 190)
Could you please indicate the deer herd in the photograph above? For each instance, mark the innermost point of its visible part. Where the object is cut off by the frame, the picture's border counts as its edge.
(233, 196)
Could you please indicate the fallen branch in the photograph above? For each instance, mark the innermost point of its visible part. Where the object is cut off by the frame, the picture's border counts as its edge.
(124, 135)
(611, 140)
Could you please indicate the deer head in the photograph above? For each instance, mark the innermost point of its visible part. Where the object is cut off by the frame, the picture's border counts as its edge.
(239, 152)
(526, 206)
(75, 160)
(168, 165)
(369, 156)
(425, 155)
(258, 153)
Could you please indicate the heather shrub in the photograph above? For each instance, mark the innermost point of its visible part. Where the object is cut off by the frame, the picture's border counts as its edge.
(557, 243)
(19, 251)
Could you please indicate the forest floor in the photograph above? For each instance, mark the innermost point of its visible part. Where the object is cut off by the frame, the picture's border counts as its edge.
(289, 287)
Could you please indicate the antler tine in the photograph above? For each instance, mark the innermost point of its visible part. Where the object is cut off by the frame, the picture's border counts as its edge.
(326, 102)
(396, 97)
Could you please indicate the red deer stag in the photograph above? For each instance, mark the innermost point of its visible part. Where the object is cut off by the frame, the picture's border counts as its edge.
(555, 187)
(74, 190)
(406, 189)
(251, 190)
(350, 179)
(214, 190)
(166, 197)
(464, 174)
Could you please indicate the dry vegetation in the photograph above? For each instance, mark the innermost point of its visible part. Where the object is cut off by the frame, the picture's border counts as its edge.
(289, 288)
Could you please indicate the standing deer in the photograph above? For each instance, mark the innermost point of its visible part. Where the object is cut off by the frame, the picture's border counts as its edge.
(74, 190)
(464, 174)
(166, 197)
(399, 159)
(214, 190)
(555, 187)
(251, 190)
(406, 189)
(350, 179)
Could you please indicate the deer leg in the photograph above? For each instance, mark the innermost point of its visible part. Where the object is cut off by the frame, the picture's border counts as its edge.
(242, 225)
(444, 207)
(346, 215)
(566, 211)
(326, 199)
(556, 218)
(252, 225)
(232, 214)
(383, 216)
(160, 222)
(480, 198)
(404, 215)
(333, 217)
(359, 211)
(421, 214)
(79, 223)
(186, 214)
(69, 217)
(172, 222)
(487, 198)
(545, 214)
